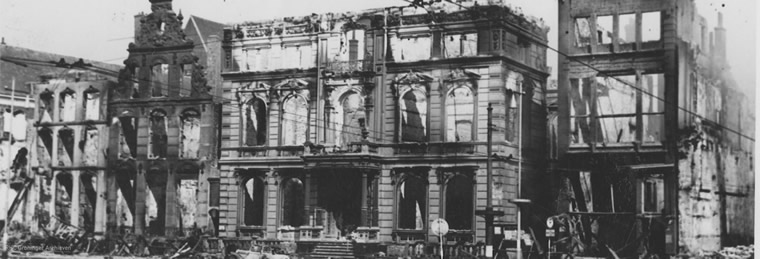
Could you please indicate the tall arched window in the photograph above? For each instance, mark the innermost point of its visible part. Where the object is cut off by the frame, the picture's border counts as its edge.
(295, 120)
(459, 202)
(158, 137)
(255, 117)
(351, 112)
(63, 189)
(89, 181)
(45, 146)
(90, 154)
(190, 134)
(292, 202)
(128, 137)
(413, 116)
(459, 114)
(253, 201)
(91, 104)
(46, 106)
(412, 200)
(65, 147)
(68, 106)
(159, 80)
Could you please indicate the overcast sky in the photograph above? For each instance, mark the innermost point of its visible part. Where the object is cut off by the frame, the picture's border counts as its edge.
(102, 29)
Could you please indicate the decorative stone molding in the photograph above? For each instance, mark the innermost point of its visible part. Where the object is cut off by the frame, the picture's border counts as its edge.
(410, 81)
(291, 86)
(399, 174)
(252, 89)
(460, 77)
(444, 174)
(161, 28)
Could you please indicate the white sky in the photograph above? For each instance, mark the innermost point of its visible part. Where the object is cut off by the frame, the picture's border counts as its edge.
(102, 29)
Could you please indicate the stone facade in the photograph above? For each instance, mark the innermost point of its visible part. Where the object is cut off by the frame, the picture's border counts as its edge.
(370, 125)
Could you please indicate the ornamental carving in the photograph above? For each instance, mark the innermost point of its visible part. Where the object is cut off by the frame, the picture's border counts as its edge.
(252, 89)
(444, 174)
(409, 81)
(161, 28)
(460, 77)
(291, 86)
(399, 174)
(198, 81)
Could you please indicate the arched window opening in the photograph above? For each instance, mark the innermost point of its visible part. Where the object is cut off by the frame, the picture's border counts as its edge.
(412, 197)
(92, 104)
(65, 147)
(128, 137)
(413, 116)
(459, 114)
(63, 188)
(46, 106)
(68, 106)
(185, 81)
(159, 75)
(45, 146)
(348, 119)
(292, 202)
(255, 113)
(253, 201)
(90, 154)
(19, 125)
(294, 120)
(190, 134)
(459, 203)
(158, 137)
(89, 187)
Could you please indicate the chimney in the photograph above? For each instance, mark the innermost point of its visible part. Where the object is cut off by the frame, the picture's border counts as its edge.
(720, 41)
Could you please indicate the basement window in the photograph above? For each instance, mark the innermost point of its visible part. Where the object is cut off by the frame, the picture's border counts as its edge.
(650, 26)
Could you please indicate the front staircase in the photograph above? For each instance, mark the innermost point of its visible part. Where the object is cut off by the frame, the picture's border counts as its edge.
(335, 249)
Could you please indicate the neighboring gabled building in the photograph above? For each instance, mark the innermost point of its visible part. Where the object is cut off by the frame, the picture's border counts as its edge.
(370, 125)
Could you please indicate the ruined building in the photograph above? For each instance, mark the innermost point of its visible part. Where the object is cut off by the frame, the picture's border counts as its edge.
(370, 125)
(654, 138)
(163, 121)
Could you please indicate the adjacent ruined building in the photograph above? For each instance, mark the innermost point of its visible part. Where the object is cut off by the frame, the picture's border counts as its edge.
(653, 137)
(368, 126)
(162, 135)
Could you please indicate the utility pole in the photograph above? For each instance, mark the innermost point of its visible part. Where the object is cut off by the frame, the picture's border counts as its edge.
(489, 213)
(8, 175)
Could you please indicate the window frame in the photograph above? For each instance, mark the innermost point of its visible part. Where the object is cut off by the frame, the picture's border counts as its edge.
(281, 202)
(402, 178)
(244, 178)
(151, 154)
(466, 175)
(283, 112)
(474, 120)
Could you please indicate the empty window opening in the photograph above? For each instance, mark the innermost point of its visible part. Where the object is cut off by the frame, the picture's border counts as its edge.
(348, 126)
(186, 80)
(604, 29)
(63, 189)
(158, 137)
(65, 147)
(88, 200)
(459, 203)
(255, 116)
(460, 107)
(292, 203)
(45, 146)
(92, 104)
(582, 32)
(653, 195)
(627, 25)
(461, 45)
(413, 116)
(410, 48)
(68, 105)
(90, 154)
(253, 205)
(294, 120)
(160, 80)
(412, 202)
(128, 137)
(616, 108)
(46, 106)
(19, 125)
(187, 203)
(135, 83)
(190, 134)
(650, 26)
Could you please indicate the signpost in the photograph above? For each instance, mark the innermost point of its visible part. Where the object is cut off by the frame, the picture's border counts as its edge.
(440, 227)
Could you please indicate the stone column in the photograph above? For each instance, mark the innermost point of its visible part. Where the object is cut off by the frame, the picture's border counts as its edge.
(75, 193)
(139, 218)
(307, 198)
(364, 197)
(171, 220)
(100, 203)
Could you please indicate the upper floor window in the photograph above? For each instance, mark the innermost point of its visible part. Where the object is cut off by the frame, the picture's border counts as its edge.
(92, 104)
(459, 202)
(650, 26)
(190, 134)
(292, 203)
(412, 201)
(502, 40)
(253, 208)
(295, 120)
(256, 59)
(186, 80)
(65, 147)
(46, 106)
(159, 75)
(45, 146)
(90, 155)
(582, 30)
(461, 45)
(351, 113)
(68, 106)
(412, 48)
(158, 135)
(460, 114)
(414, 107)
(255, 119)
(19, 125)
(128, 137)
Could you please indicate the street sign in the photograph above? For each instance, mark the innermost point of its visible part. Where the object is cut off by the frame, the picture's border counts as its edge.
(439, 227)
(550, 233)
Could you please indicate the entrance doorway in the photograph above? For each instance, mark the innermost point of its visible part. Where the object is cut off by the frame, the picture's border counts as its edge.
(339, 195)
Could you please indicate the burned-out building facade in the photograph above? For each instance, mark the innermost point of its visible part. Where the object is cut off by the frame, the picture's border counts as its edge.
(648, 141)
(162, 136)
(367, 126)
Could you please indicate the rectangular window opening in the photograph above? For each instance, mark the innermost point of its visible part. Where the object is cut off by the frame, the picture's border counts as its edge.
(650, 26)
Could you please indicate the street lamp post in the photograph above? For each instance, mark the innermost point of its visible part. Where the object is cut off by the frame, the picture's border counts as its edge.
(489, 213)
